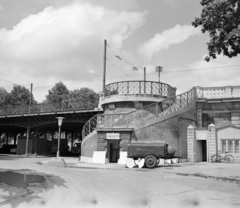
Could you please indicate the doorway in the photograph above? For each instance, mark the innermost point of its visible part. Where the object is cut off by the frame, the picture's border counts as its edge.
(113, 151)
(201, 151)
(204, 150)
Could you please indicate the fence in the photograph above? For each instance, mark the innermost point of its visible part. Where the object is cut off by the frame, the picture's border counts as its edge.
(140, 87)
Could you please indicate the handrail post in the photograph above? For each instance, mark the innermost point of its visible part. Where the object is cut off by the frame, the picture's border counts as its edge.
(127, 87)
(89, 128)
(181, 101)
(139, 87)
(159, 91)
(151, 89)
(156, 109)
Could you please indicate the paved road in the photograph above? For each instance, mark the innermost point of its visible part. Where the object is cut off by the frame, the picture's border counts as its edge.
(76, 187)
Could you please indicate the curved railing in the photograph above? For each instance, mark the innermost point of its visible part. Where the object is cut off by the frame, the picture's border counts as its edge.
(140, 87)
(124, 120)
(90, 126)
(42, 108)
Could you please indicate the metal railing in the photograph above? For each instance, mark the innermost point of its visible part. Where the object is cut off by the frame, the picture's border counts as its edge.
(15, 110)
(90, 126)
(139, 87)
(127, 120)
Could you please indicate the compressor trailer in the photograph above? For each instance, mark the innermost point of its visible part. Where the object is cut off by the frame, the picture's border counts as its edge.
(151, 151)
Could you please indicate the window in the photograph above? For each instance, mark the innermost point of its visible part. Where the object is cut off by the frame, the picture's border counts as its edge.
(236, 146)
(111, 106)
(230, 145)
(224, 146)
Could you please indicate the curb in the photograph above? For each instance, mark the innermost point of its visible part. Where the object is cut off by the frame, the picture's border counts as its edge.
(225, 179)
(109, 168)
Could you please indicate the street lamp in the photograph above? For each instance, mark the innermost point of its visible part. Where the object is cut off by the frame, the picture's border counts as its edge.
(60, 119)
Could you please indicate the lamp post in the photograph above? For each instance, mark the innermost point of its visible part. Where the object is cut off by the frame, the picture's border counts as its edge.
(60, 119)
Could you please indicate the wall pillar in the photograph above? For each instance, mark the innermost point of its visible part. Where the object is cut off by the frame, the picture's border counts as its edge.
(228, 91)
(199, 118)
(227, 150)
(190, 143)
(212, 144)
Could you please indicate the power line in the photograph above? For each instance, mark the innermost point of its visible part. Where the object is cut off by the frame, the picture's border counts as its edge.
(186, 70)
(121, 58)
(114, 65)
(14, 83)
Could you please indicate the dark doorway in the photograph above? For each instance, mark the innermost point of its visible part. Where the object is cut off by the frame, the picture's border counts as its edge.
(204, 150)
(113, 151)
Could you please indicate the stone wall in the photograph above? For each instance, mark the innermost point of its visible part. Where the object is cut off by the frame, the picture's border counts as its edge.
(89, 146)
(173, 131)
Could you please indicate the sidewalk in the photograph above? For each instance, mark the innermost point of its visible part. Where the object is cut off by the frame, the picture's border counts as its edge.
(220, 171)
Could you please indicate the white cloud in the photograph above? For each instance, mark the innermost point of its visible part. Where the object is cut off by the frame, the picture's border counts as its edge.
(164, 40)
(218, 72)
(64, 43)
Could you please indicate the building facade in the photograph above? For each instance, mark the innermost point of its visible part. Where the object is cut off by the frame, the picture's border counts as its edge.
(197, 123)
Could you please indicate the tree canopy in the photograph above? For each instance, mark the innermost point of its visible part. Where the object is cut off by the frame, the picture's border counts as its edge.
(19, 96)
(3, 95)
(221, 18)
(58, 93)
(85, 95)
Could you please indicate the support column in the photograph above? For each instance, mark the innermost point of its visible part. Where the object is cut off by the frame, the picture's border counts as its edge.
(15, 138)
(36, 141)
(71, 141)
(199, 118)
(233, 146)
(27, 140)
(212, 144)
(190, 143)
(7, 135)
(44, 141)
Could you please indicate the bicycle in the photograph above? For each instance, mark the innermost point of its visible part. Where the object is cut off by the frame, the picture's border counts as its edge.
(219, 158)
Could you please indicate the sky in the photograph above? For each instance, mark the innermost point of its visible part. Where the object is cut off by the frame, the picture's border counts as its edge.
(44, 42)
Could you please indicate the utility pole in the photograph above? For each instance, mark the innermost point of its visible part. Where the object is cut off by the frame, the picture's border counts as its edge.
(28, 125)
(104, 64)
(144, 69)
(159, 69)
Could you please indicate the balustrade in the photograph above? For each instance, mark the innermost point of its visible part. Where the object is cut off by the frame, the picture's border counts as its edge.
(18, 110)
(140, 87)
(125, 120)
(218, 92)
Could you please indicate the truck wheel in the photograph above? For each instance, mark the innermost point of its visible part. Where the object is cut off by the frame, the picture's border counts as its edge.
(150, 161)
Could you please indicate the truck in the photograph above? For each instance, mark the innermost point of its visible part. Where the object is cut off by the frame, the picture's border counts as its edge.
(151, 151)
(76, 149)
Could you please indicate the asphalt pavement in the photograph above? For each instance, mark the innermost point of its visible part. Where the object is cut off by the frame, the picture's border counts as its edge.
(229, 172)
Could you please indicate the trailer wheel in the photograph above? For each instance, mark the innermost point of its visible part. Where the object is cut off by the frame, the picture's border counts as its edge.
(150, 161)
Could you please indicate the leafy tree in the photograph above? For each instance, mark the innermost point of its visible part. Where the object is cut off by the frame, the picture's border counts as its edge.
(19, 96)
(58, 93)
(221, 18)
(85, 95)
(3, 95)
